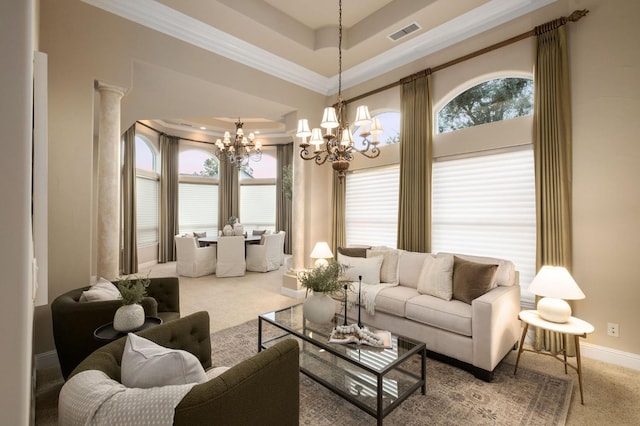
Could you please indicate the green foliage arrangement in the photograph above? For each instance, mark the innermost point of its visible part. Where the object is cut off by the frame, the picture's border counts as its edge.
(287, 181)
(133, 290)
(325, 279)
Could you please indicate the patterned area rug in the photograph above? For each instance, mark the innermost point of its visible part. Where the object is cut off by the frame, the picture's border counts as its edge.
(454, 396)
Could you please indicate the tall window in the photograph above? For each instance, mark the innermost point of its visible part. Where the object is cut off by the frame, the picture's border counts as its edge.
(147, 197)
(198, 190)
(372, 206)
(258, 192)
(390, 122)
(483, 195)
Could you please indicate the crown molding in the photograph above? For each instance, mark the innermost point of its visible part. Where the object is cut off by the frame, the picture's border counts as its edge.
(159, 17)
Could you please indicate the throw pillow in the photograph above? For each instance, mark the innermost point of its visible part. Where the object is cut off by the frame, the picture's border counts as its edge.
(146, 364)
(436, 277)
(369, 269)
(389, 268)
(258, 232)
(471, 279)
(102, 290)
(353, 251)
(199, 234)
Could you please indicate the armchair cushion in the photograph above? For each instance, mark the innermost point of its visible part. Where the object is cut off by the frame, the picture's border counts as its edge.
(146, 364)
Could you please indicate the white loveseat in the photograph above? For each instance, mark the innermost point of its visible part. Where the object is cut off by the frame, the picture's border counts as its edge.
(418, 297)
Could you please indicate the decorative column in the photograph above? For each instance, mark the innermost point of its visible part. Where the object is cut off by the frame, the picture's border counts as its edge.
(297, 210)
(108, 237)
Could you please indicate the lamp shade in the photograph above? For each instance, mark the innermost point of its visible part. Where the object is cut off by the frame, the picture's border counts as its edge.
(329, 118)
(555, 282)
(321, 251)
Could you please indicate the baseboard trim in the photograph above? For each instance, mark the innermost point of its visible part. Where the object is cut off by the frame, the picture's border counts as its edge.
(609, 355)
(46, 360)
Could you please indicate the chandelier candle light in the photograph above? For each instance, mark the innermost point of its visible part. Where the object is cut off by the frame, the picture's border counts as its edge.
(240, 149)
(338, 146)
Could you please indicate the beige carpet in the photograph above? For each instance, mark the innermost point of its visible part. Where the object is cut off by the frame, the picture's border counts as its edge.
(612, 393)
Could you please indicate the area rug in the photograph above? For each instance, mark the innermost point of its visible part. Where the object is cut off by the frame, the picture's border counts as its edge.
(454, 396)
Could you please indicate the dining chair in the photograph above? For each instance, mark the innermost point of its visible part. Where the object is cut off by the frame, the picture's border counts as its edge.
(231, 260)
(193, 260)
(265, 256)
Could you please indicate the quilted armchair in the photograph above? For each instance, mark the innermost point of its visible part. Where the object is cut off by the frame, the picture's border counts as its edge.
(74, 322)
(263, 389)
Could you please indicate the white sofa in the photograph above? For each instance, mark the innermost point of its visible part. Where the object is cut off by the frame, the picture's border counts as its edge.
(475, 335)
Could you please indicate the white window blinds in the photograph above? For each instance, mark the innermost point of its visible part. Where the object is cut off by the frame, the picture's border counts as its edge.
(198, 208)
(485, 205)
(146, 211)
(372, 206)
(258, 207)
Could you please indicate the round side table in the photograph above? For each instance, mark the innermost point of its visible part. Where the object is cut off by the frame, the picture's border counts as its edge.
(574, 327)
(106, 333)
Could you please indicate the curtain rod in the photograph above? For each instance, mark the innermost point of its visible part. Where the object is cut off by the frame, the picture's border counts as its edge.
(574, 17)
(193, 140)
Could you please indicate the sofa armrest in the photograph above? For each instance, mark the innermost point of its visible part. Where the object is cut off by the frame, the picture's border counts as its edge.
(263, 389)
(166, 292)
(495, 326)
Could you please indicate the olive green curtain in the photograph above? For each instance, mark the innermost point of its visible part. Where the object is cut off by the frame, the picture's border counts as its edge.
(169, 151)
(416, 140)
(552, 153)
(228, 193)
(283, 199)
(338, 223)
(129, 258)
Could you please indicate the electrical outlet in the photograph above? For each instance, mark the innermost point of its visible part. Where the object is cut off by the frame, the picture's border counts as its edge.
(613, 329)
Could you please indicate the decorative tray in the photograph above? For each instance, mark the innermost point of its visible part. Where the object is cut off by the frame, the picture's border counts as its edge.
(360, 335)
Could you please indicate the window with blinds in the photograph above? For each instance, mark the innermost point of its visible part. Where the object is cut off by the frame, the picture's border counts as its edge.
(146, 211)
(258, 207)
(485, 205)
(198, 208)
(371, 206)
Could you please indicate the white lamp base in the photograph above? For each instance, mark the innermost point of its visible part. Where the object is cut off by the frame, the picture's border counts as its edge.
(321, 262)
(554, 310)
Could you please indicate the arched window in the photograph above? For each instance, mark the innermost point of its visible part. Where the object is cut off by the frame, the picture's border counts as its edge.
(147, 193)
(198, 171)
(493, 100)
(390, 122)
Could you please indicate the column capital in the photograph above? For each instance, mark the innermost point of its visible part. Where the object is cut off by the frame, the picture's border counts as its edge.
(102, 86)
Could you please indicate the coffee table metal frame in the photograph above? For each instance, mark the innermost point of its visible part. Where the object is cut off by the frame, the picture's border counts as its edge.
(315, 349)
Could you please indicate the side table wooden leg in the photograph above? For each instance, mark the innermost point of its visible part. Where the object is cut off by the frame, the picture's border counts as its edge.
(577, 339)
(564, 352)
(520, 349)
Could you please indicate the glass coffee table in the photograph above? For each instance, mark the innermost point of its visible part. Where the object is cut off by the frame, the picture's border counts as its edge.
(374, 379)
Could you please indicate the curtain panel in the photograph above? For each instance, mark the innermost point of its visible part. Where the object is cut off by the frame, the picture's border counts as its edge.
(552, 156)
(228, 193)
(416, 140)
(284, 200)
(129, 257)
(169, 151)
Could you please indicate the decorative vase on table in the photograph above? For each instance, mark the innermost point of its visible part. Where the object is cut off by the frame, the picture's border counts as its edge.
(128, 318)
(238, 229)
(227, 231)
(319, 308)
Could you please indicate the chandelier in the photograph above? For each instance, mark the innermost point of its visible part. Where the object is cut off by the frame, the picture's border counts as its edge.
(336, 146)
(240, 149)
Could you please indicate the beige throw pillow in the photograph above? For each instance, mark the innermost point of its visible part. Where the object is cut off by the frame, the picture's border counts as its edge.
(102, 290)
(471, 279)
(369, 269)
(146, 364)
(436, 277)
(389, 268)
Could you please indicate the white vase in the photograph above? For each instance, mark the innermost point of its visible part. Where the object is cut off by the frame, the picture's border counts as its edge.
(128, 317)
(319, 308)
(238, 229)
(227, 230)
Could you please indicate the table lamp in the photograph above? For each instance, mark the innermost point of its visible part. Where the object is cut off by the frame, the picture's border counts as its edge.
(555, 283)
(321, 252)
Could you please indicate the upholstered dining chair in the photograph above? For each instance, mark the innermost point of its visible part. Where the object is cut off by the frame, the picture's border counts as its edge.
(193, 260)
(231, 260)
(265, 256)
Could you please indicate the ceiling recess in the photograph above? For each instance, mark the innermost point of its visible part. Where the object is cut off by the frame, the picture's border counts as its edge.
(412, 27)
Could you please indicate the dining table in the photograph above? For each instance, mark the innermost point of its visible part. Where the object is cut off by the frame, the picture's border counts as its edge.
(213, 239)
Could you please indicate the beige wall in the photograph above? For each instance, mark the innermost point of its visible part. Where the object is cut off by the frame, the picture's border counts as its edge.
(168, 78)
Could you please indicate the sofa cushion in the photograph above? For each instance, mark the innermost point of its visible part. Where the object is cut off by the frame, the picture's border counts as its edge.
(392, 300)
(506, 273)
(146, 364)
(389, 268)
(409, 267)
(436, 277)
(353, 251)
(471, 279)
(369, 269)
(454, 316)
